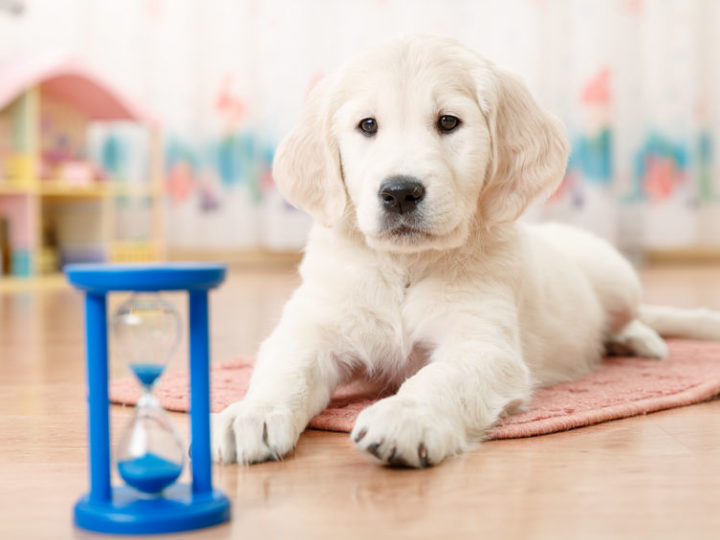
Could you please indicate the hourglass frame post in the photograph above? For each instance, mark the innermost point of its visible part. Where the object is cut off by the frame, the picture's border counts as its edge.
(97, 381)
(180, 507)
(200, 391)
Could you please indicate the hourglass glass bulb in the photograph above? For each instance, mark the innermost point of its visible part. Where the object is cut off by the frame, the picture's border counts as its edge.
(149, 455)
(146, 329)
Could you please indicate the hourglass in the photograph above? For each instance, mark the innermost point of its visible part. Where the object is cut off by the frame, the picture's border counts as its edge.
(149, 456)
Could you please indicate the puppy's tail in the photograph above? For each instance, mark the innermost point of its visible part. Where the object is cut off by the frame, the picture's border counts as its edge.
(698, 323)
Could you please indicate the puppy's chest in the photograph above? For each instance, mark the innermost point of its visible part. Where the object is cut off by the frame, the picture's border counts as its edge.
(409, 304)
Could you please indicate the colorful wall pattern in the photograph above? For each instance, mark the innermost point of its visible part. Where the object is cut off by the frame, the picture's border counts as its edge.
(636, 82)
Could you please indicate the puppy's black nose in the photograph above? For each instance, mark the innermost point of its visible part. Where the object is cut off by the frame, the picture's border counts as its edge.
(401, 194)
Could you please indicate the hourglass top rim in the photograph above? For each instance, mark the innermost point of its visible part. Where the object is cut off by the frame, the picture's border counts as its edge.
(178, 276)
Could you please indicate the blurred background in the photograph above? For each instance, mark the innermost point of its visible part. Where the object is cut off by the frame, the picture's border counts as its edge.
(145, 129)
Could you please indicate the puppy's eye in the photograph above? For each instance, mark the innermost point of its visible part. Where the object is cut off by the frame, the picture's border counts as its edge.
(368, 126)
(447, 123)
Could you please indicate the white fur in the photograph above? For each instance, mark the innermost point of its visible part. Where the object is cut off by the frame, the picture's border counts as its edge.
(468, 315)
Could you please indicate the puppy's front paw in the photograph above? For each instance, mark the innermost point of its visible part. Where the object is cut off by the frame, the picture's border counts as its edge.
(252, 432)
(403, 432)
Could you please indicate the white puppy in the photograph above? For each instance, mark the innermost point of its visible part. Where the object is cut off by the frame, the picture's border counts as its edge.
(416, 160)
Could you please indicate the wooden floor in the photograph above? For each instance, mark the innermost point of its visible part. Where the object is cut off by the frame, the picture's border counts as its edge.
(656, 476)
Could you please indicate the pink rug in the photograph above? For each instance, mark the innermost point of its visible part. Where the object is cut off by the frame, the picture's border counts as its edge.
(622, 387)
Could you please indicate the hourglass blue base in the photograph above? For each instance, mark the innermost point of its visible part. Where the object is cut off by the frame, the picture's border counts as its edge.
(178, 509)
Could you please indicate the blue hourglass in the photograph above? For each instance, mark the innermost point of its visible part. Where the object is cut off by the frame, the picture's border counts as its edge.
(149, 454)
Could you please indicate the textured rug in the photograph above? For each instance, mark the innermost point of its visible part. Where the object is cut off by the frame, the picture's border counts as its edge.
(621, 387)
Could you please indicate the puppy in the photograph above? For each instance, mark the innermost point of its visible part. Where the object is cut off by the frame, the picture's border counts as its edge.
(416, 160)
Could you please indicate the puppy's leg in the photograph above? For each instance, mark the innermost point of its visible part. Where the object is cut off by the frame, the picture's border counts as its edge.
(473, 377)
(293, 380)
(637, 339)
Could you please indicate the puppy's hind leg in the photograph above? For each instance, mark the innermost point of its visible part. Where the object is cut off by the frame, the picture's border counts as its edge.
(637, 339)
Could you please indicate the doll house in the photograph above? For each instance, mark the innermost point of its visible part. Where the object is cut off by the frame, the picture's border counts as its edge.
(80, 168)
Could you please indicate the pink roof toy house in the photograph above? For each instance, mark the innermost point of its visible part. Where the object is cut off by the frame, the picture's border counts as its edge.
(80, 167)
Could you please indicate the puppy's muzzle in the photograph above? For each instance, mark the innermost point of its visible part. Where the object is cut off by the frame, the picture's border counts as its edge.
(401, 194)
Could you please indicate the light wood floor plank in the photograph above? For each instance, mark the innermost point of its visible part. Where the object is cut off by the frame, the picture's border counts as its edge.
(655, 476)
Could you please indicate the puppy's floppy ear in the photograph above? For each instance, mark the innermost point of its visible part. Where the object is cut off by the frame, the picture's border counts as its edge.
(529, 148)
(307, 167)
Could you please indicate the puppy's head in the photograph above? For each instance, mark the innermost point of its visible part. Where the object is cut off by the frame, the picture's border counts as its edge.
(417, 143)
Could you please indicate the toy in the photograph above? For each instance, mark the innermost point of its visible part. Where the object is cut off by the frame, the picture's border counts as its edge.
(56, 117)
(149, 455)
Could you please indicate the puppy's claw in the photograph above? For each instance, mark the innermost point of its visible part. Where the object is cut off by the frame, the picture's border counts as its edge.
(397, 460)
(423, 455)
(374, 449)
(360, 435)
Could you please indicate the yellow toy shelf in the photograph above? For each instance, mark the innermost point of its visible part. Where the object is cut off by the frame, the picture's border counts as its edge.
(12, 284)
(59, 188)
(80, 173)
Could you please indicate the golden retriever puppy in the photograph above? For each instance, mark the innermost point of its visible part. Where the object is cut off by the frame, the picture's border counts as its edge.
(415, 160)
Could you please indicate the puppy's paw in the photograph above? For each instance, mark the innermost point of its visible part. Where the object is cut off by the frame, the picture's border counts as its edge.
(252, 432)
(404, 432)
(638, 339)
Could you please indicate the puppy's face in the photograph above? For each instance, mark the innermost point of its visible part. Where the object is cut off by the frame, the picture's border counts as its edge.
(418, 142)
(414, 147)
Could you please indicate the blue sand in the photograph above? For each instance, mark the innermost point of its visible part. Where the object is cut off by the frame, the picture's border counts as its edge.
(147, 373)
(149, 473)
